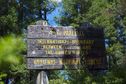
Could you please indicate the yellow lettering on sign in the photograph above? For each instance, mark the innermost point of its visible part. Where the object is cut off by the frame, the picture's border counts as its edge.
(48, 61)
(44, 61)
(72, 33)
(53, 61)
(60, 62)
(93, 61)
(70, 61)
(51, 41)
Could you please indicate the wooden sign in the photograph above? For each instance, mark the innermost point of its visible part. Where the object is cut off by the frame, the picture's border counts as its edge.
(57, 47)
(53, 63)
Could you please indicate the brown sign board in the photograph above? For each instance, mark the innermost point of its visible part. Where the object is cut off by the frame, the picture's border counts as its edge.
(39, 31)
(53, 63)
(41, 48)
(65, 63)
(65, 47)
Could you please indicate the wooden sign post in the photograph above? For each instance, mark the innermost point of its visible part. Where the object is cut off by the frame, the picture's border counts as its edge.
(65, 48)
(42, 78)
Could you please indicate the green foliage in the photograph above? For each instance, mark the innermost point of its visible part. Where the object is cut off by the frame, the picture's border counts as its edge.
(116, 76)
(74, 12)
(20, 74)
(8, 23)
(59, 81)
(15, 15)
(2, 75)
(10, 49)
(35, 10)
(80, 76)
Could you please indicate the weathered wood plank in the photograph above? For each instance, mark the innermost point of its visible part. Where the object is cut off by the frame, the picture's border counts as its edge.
(54, 45)
(39, 31)
(66, 63)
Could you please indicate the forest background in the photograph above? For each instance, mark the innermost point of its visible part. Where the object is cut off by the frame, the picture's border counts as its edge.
(16, 15)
